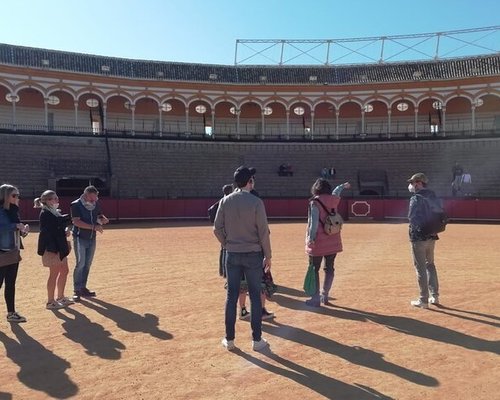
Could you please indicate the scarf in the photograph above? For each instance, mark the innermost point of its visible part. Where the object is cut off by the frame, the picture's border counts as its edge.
(52, 210)
(87, 205)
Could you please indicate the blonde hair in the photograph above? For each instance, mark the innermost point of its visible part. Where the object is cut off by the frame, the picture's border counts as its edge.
(5, 192)
(41, 201)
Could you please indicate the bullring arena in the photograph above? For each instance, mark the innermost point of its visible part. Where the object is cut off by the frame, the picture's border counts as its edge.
(160, 139)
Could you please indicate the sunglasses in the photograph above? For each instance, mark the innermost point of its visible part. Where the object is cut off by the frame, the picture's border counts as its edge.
(15, 195)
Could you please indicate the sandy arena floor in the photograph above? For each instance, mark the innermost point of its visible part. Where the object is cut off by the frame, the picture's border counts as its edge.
(154, 330)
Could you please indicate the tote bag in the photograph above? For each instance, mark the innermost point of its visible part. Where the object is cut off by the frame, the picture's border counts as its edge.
(310, 281)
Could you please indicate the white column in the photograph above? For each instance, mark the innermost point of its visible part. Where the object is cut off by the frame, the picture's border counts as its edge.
(46, 111)
(105, 116)
(238, 112)
(160, 129)
(14, 118)
(262, 118)
(473, 120)
(312, 125)
(187, 120)
(443, 120)
(389, 113)
(363, 122)
(213, 123)
(288, 124)
(415, 124)
(75, 103)
(337, 115)
(132, 109)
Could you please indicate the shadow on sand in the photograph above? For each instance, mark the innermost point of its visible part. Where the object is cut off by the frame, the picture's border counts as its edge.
(324, 385)
(93, 337)
(40, 368)
(128, 320)
(354, 354)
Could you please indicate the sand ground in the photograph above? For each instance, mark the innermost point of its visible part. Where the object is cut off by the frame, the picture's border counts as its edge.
(154, 330)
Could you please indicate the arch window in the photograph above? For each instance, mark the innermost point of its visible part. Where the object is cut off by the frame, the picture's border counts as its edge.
(402, 106)
(299, 110)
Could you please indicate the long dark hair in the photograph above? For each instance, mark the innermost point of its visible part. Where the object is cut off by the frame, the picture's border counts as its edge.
(321, 186)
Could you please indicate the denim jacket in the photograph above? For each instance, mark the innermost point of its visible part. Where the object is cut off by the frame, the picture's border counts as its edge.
(8, 229)
(416, 215)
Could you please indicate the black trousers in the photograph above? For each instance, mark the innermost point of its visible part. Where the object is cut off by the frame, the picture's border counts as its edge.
(9, 275)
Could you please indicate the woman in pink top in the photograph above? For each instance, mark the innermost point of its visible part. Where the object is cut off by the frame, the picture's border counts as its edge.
(318, 243)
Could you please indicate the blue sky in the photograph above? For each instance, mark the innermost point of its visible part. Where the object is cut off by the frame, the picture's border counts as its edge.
(205, 31)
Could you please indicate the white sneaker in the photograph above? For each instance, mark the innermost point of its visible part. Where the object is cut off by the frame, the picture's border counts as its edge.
(65, 301)
(434, 300)
(228, 344)
(260, 345)
(419, 303)
(54, 305)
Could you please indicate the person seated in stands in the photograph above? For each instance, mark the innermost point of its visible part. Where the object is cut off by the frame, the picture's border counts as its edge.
(285, 170)
(281, 170)
(328, 173)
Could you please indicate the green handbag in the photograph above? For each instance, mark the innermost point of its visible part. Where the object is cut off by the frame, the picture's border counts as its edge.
(310, 281)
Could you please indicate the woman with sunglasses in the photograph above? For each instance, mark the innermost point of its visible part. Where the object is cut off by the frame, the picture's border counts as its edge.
(10, 230)
(54, 248)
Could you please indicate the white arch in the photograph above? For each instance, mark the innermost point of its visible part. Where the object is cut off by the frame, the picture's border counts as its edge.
(403, 97)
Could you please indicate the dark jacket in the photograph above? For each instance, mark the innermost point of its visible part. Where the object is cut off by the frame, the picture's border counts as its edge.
(416, 215)
(52, 234)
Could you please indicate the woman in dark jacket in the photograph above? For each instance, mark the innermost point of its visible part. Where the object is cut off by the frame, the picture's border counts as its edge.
(10, 230)
(53, 246)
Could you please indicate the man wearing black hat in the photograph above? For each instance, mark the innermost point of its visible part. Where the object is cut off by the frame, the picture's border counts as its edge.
(422, 242)
(241, 227)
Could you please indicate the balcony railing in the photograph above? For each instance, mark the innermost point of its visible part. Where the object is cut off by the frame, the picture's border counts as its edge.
(251, 135)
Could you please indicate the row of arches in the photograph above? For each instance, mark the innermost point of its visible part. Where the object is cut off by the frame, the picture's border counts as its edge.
(92, 109)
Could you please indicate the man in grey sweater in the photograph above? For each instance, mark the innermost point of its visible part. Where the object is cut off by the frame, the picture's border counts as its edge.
(241, 227)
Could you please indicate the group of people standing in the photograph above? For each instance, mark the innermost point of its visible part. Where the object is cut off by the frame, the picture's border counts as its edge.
(53, 245)
(241, 227)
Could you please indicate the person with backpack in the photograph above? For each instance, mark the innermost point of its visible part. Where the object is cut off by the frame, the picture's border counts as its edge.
(321, 240)
(212, 212)
(427, 219)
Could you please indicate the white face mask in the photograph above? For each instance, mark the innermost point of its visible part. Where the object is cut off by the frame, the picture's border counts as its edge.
(411, 188)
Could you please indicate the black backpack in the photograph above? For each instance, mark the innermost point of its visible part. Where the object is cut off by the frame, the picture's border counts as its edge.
(435, 218)
(212, 212)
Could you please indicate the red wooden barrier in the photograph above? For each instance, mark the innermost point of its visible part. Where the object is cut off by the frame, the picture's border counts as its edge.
(354, 208)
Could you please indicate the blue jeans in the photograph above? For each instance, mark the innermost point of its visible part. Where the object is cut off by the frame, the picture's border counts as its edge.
(423, 259)
(84, 253)
(251, 265)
